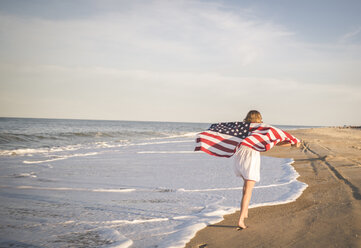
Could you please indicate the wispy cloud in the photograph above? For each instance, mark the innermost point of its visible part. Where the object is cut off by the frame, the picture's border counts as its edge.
(163, 60)
(350, 35)
(168, 33)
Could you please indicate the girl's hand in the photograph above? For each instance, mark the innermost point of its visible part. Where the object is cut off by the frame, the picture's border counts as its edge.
(298, 144)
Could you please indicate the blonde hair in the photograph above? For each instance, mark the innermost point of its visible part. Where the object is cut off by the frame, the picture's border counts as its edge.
(253, 116)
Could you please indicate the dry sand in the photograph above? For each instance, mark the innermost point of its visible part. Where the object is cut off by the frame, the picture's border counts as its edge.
(327, 214)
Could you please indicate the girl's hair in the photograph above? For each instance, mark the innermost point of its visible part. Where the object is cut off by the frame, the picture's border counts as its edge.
(253, 116)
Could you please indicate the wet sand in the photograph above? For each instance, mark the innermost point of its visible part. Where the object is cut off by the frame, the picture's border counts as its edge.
(327, 214)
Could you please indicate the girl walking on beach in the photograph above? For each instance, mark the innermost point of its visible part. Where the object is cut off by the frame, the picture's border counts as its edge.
(247, 163)
(245, 140)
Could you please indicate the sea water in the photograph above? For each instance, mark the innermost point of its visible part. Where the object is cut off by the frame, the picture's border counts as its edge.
(82, 183)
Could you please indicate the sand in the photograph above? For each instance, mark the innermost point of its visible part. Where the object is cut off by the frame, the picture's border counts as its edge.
(327, 214)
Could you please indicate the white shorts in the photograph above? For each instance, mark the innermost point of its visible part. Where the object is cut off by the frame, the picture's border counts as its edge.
(247, 163)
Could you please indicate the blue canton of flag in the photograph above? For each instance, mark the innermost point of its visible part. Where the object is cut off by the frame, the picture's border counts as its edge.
(237, 129)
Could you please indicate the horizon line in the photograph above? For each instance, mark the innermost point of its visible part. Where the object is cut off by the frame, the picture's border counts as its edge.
(53, 118)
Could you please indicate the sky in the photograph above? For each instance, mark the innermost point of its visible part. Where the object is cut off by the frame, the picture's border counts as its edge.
(297, 62)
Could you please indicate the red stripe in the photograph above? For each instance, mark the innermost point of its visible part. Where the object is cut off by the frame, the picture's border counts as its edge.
(276, 134)
(201, 148)
(269, 136)
(289, 137)
(215, 145)
(260, 139)
(263, 135)
(293, 139)
(254, 145)
(231, 142)
(259, 128)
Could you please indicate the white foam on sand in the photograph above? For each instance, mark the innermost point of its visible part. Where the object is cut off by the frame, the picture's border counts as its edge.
(31, 151)
(161, 142)
(188, 135)
(235, 188)
(61, 158)
(25, 187)
(164, 152)
(118, 240)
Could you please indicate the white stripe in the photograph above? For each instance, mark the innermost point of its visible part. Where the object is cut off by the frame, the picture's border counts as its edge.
(225, 136)
(271, 145)
(215, 150)
(257, 142)
(254, 147)
(273, 137)
(254, 124)
(263, 132)
(254, 140)
(216, 141)
(280, 132)
(261, 136)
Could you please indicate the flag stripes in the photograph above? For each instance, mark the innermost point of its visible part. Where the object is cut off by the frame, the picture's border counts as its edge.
(261, 137)
(221, 145)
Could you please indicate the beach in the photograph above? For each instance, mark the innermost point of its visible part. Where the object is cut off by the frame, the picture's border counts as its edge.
(327, 214)
(87, 183)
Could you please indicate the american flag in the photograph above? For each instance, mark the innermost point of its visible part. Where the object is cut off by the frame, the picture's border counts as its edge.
(222, 139)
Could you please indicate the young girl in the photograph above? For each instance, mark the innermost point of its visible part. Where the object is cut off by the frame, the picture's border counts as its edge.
(247, 165)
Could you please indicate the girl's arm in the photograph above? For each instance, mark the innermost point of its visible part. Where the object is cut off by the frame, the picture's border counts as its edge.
(285, 143)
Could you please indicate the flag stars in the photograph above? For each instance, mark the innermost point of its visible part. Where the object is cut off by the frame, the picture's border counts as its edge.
(237, 129)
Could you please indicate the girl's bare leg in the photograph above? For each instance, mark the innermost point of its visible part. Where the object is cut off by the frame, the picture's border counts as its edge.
(246, 198)
(244, 190)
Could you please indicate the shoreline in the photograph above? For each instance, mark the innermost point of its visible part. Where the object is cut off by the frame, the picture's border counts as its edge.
(326, 214)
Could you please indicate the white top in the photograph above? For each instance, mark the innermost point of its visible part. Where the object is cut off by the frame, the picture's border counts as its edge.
(247, 162)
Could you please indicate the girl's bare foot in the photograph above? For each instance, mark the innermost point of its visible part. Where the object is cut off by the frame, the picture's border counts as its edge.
(241, 224)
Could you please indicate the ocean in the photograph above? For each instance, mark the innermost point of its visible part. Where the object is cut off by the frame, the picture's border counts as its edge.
(93, 183)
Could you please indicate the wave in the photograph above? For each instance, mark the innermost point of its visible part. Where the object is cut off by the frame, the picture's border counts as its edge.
(24, 144)
(115, 237)
(165, 152)
(27, 151)
(22, 175)
(162, 142)
(100, 144)
(119, 190)
(61, 158)
(168, 136)
(237, 188)
(19, 137)
(6, 138)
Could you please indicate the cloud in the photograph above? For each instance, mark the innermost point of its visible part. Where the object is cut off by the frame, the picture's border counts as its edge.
(147, 34)
(350, 35)
(172, 60)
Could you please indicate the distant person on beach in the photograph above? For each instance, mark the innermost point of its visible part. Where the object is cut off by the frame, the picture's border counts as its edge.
(247, 163)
